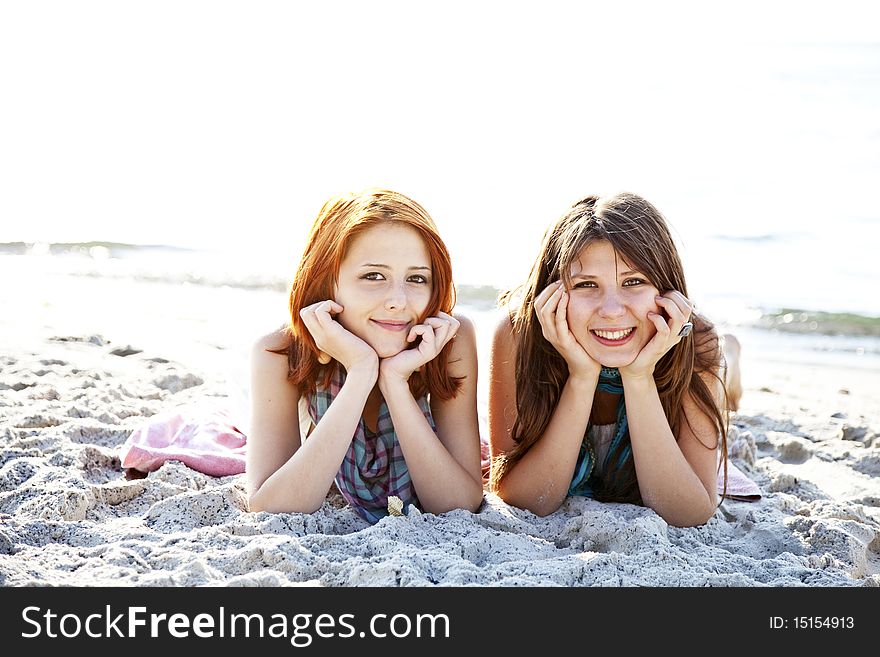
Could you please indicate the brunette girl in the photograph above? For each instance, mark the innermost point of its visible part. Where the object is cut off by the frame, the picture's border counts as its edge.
(604, 380)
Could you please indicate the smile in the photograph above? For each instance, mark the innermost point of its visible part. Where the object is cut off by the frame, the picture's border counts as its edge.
(613, 338)
(391, 324)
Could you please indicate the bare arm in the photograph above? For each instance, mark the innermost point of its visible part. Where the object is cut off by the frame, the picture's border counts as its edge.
(502, 388)
(445, 467)
(283, 474)
(676, 478)
(540, 479)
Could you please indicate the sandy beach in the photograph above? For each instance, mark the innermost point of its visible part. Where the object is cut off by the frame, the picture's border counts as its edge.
(85, 360)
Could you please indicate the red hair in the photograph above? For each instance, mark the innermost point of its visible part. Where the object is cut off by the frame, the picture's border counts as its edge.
(339, 221)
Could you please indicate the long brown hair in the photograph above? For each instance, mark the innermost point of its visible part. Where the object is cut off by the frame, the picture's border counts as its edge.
(639, 235)
(341, 219)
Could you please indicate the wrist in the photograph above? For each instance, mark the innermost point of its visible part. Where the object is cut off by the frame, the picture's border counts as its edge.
(586, 380)
(366, 370)
(637, 378)
(391, 381)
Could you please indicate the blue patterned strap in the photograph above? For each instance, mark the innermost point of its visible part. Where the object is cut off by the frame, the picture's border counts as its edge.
(582, 471)
(609, 381)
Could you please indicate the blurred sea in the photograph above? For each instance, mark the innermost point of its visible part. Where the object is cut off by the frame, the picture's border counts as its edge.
(758, 298)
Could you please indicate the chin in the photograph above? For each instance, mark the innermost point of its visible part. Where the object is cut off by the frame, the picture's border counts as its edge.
(615, 360)
(386, 350)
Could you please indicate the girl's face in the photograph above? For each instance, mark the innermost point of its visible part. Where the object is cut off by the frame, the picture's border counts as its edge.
(384, 285)
(608, 306)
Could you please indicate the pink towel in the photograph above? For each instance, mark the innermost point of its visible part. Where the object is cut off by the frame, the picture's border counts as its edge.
(205, 439)
(739, 486)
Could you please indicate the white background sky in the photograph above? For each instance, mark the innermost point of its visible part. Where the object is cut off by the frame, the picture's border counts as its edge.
(228, 124)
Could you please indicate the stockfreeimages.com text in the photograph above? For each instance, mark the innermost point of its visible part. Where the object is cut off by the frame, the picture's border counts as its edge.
(300, 629)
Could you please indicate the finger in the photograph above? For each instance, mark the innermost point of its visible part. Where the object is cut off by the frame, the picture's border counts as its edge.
(676, 314)
(325, 311)
(454, 324)
(441, 333)
(687, 306)
(562, 316)
(329, 306)
(313, 307)
(550, 289)
(663, 328)
(313, 310)
(546, 293)
(428, 338)
(436, 322)
(445, 328)
(452, 327)
(417, 330)
(659, 343)
(318, 335)
(547, 320)
(684, 304)
(307, 315)
(548, 308)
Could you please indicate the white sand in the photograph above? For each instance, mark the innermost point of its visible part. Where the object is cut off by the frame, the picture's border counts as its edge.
(69, 517)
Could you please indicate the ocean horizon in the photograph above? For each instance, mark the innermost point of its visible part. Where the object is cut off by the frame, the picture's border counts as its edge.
(803, 331)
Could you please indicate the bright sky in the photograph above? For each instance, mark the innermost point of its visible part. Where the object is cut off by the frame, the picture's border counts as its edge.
(229, 123)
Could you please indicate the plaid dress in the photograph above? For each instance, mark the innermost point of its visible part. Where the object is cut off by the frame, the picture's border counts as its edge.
(373, 468)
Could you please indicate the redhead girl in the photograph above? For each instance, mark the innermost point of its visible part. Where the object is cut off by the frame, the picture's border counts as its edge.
(373, 383)
(604, 381)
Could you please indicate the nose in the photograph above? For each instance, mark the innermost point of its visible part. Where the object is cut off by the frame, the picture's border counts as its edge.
(611, 306)
(396, 299)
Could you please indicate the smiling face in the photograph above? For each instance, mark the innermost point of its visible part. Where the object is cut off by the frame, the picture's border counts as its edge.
(608, 306)
(384, 285)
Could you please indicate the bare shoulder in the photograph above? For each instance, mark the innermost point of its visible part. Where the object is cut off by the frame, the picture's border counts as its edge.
(466, 325)
(503, 337)
(264, 358)
(463, 351)
(274, 340)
